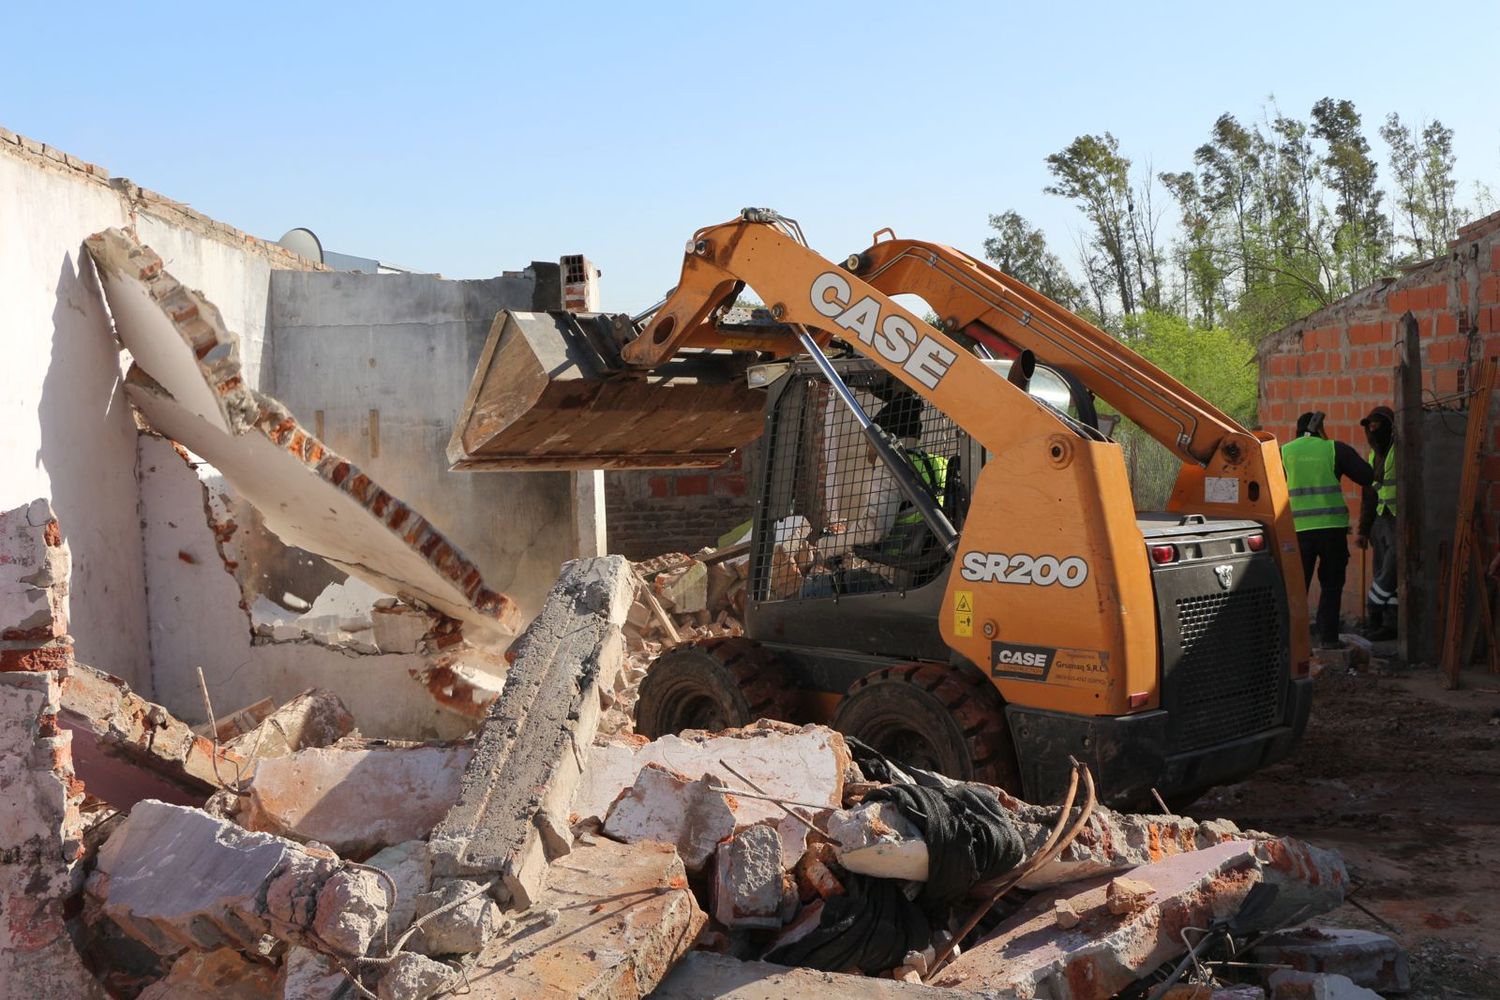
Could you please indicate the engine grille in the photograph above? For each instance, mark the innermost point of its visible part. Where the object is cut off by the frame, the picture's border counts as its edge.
(1227, 683)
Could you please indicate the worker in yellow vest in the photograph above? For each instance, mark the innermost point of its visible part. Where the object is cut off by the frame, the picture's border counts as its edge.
(1377, 524)
(1314, 465)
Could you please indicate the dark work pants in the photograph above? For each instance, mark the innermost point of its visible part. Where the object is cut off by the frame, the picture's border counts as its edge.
(1327, 549)
(1382, 593)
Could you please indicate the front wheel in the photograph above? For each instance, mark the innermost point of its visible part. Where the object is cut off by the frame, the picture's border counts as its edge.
(934, 717)
(714, 685)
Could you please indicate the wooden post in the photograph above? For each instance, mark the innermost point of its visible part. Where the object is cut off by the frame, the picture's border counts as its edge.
(1455, 651)
(1418, 641)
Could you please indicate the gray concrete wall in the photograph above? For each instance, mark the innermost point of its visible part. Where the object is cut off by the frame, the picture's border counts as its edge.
(377, 365)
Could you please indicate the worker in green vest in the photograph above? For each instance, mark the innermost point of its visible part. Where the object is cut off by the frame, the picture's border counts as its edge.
(1377, 524)
(1314, 465)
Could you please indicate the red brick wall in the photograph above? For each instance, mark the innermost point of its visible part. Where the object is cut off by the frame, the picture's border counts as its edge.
(1342, 359)
(677, 510)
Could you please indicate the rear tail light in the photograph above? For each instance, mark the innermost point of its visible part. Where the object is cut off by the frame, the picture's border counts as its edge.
(1163, 554)
(1303, 668)
(1139, 699)
(1255, 543)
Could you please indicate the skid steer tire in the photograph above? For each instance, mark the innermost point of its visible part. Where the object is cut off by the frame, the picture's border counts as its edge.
(934, 717)
(720, 683)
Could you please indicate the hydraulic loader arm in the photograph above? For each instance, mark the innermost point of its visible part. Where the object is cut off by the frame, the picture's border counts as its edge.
(1052, 510)
(1224, 474)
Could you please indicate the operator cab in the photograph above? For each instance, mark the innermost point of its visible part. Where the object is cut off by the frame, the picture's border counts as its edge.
(832, 527)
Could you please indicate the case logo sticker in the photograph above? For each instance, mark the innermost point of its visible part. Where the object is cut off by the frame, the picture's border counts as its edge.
(894, 337)
(1070, 667)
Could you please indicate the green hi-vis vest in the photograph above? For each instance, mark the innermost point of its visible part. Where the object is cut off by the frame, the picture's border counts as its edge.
(1385, 486)
(1317, 498)
(933, 470)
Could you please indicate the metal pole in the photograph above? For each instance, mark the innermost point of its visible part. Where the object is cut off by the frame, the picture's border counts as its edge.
(891, 454)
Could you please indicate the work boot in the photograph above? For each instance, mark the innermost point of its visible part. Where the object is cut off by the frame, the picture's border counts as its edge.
(1374, 621)
(1385, 629)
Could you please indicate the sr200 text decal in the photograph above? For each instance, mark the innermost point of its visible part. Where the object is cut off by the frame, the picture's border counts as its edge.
(894, 337)
(1036, 571)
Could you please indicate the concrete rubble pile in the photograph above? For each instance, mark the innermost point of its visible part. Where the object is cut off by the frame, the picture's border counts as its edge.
(281, 854)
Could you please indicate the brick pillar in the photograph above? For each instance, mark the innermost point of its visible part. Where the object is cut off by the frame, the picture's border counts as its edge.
(34, 566)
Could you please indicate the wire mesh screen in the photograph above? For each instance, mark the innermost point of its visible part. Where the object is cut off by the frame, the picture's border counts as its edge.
(835, 521)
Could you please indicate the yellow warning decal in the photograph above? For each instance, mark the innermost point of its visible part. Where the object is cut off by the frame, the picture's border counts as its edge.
(963, 613)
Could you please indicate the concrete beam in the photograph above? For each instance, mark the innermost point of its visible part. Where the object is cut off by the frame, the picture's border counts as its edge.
(528, 756)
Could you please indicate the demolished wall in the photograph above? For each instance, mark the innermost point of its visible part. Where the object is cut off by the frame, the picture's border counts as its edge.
(147, 588)
(199, 621)
(69, 433)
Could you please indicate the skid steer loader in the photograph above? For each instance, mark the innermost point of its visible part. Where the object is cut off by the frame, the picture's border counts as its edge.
(945, 560)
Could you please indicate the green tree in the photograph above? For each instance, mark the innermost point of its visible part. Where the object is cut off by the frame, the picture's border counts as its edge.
(1020, 250)
(1361, 239)
(1091, 172)
(1202, 277)
(1214, 362)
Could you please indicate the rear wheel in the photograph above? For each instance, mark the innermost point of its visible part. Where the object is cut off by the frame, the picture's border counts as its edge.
(715, 684)
(934, 717)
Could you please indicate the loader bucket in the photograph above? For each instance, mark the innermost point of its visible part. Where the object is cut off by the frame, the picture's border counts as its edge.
(548, 393)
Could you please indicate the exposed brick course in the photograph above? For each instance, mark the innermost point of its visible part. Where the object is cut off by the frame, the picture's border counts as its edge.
(1342, 359)
(663, 510)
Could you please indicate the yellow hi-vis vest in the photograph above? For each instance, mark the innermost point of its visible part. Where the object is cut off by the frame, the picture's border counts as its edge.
(933, 470)
(1312, 481)
(1385, 485)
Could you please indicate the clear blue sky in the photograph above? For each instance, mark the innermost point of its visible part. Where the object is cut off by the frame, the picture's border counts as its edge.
(470, 139)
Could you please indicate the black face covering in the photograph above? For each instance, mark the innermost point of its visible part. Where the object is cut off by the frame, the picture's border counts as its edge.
(1378, 433)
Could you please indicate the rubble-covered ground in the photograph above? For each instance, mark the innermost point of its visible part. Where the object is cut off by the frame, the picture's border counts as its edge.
(1403, 778)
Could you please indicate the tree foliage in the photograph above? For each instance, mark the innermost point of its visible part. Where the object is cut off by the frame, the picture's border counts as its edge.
(1276, 216)
(1020, 250)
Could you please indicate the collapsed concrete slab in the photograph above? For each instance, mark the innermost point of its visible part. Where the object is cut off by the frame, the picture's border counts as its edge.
(1364, 957)
(355, 801)
(803, 765)
(528, 756)
(127, 749)
(1030, 956)
(41, 838)
(692, 816)
(187, 381)
(701, 975)
(624, 916)
(178, 878)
